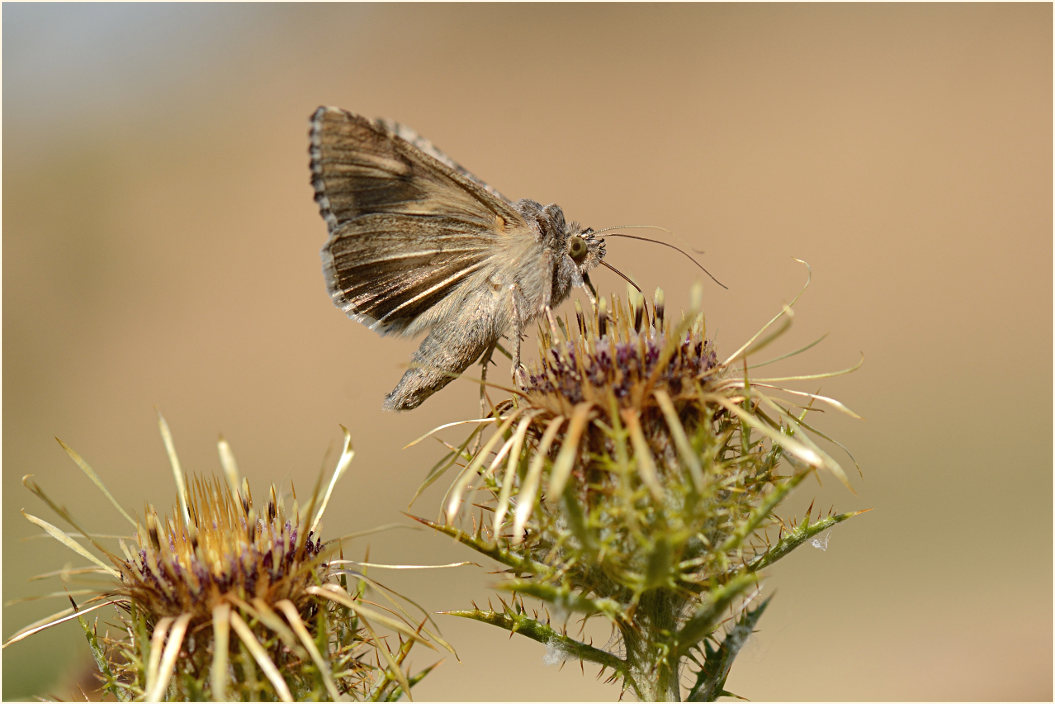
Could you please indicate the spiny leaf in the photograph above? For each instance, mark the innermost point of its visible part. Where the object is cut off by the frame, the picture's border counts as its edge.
(710, 682)
(566, 599)
(99, 655)
(706, 618)
(506, 557)
(543, 633)
(796, 537)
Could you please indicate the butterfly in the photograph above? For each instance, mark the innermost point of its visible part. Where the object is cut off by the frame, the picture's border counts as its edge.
(417, 243)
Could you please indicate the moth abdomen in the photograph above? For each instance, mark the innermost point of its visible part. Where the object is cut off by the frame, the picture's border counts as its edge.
(447, 351)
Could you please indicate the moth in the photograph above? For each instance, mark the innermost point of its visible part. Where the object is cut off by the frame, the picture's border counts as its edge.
(417, 243)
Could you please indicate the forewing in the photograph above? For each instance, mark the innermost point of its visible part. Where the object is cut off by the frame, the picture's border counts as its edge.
(429, 148)
(407, 229)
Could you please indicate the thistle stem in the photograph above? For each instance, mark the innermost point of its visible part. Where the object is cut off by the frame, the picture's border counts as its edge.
(652, 667)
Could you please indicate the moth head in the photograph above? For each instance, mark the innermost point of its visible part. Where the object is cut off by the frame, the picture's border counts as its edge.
(564, 239)
(585, 248)
(586, 251)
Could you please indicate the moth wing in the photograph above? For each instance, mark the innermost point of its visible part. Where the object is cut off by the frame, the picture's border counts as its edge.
(408, 134)
(409, 228)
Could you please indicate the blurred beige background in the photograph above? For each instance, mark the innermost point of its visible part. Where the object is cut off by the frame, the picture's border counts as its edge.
(160, 249)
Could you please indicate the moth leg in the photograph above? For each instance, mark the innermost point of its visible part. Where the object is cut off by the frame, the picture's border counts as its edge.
(547, 307)
(591, 292)
(485, 362)
(519, 371)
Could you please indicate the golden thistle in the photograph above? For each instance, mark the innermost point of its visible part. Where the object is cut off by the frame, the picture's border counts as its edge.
(226, 598)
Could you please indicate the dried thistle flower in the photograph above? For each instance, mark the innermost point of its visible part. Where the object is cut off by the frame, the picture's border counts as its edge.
(634, 478)
(225, 598)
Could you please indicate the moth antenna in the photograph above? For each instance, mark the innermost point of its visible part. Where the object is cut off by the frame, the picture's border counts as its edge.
(641, 227)
(674, 247)
(631, 227)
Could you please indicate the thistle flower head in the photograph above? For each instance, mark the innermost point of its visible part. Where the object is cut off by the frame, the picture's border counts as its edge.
(619, 359)
(228, 552)
(627, 402)
(633, 477)
(227, 597)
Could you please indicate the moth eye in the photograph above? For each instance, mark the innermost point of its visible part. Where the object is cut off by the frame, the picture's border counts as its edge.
(577, 248)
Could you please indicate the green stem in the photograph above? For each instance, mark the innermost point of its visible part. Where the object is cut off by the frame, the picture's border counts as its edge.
(651, 663)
